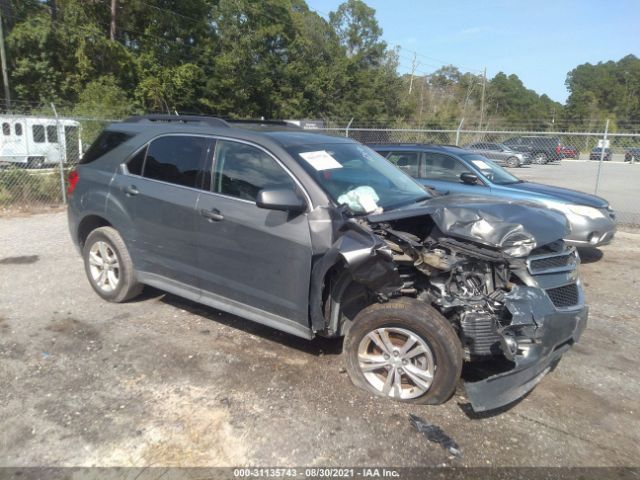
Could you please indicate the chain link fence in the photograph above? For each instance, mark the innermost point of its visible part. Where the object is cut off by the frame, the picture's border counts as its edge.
(37, 153)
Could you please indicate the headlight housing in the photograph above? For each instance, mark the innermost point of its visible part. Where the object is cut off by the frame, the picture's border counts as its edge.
(577, 210)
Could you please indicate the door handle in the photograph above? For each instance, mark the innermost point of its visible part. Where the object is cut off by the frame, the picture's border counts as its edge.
(212, 215)
(131, 190)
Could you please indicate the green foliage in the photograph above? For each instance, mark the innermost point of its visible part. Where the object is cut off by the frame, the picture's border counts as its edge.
(605, 90)
(21, 187)
(273, 58)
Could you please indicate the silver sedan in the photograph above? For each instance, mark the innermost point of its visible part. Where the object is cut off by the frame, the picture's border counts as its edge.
(501, 154)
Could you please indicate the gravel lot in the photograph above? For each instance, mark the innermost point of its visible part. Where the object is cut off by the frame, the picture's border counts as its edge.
(165, 382)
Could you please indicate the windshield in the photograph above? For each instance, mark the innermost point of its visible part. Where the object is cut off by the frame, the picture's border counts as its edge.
(355, 175)
(490, 170)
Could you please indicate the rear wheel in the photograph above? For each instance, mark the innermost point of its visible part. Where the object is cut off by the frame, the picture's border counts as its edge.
(403, 350)
(513, 162)
(540, 158)
(109, 267)
(35, 162)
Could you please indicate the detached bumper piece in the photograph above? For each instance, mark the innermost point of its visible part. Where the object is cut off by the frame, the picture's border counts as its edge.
(533, 358)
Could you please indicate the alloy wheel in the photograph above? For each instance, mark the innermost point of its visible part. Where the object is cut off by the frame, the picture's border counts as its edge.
(104, 266)
(396, 362)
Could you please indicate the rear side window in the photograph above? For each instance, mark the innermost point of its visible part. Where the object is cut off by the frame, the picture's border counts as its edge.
(52, 134)
(6, 129)
(38, 133)
(106, 141)
(18, 128)
(177, 159)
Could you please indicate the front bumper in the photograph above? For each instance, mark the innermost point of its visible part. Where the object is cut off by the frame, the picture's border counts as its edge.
(541, 343)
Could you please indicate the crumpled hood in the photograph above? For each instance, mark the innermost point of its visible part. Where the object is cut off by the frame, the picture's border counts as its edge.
(493, 222)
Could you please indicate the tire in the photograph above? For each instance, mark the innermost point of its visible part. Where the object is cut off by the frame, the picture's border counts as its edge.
(35, 162)
(540, 158)
(513, 162)
(401, 319)
(118, 283)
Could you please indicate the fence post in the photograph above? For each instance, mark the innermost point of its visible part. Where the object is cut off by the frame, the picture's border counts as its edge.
(604, 145)
(63, 155)
(346, 131)
(458, 131)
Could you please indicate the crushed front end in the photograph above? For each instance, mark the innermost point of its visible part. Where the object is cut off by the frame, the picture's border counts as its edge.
(516, 301)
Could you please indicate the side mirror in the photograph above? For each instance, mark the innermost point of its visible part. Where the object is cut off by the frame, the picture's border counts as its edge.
(284, 199)
(469, 178)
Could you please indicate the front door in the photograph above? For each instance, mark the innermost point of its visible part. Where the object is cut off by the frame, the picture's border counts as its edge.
(442, 173)
(256, 257)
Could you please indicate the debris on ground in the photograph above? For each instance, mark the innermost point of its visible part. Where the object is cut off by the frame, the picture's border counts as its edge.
(435, 435)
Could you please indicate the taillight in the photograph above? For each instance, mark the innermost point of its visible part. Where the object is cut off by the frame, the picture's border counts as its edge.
(73, 181)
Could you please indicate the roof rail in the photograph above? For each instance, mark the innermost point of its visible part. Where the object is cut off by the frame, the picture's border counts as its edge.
(262, 123)
(160, 118)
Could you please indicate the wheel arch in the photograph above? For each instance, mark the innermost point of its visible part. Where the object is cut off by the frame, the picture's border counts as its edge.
(87, 225)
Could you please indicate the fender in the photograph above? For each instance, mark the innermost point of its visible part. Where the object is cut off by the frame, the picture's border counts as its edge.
(367, 259)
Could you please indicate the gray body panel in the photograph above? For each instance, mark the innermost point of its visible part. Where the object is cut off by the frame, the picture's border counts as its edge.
(501, 157)
(255, 256)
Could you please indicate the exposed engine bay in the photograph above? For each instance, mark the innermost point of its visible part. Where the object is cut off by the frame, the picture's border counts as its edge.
(514, 299)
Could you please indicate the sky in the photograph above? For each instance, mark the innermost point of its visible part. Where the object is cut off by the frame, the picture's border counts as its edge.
(539, 40)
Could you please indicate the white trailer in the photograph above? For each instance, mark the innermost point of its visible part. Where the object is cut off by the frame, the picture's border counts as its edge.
(35, 142)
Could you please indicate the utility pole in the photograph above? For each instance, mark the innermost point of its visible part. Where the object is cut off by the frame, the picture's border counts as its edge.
(114, 11)
(5, 75)
(423, 81)
(484, 87)
(413, 71)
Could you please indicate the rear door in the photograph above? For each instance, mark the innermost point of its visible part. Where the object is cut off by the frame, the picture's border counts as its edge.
(159, 188)
(256, 257)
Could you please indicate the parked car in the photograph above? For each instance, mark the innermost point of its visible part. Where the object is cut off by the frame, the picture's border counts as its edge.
(542, 149)
(36, 142)
(319, 236)
(499, 153)
(455, 170)
(596, 153)
(569, 151)
(632, 154)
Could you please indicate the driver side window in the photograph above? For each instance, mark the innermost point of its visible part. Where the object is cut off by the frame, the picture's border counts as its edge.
(241, 171)
(408, 162)
(443, 167)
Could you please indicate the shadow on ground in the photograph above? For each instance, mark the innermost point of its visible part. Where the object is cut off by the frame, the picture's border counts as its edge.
(590, 254)
(317, 346)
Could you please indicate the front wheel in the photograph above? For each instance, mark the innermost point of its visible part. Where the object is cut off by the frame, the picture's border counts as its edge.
(404, 350)
(109, 267)
(513, 162)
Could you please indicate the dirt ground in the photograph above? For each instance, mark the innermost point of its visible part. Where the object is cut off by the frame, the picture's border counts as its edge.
(165, 382)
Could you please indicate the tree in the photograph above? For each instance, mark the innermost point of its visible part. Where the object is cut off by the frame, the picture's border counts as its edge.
(610, 89)
(357, 28)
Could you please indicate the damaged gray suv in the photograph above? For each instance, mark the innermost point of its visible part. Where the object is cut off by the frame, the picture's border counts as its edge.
(320, 236)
